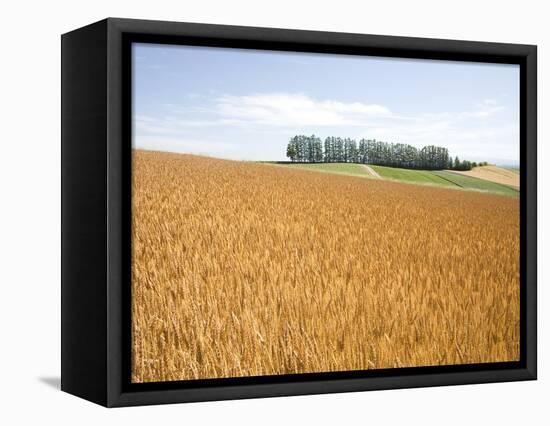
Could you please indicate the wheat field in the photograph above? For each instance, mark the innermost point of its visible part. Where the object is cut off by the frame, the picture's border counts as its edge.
(246, 269)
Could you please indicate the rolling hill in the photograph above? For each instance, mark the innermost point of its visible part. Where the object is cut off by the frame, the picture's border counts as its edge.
(490, 179)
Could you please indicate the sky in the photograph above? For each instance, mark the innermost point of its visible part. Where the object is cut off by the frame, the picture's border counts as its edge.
(246, 104)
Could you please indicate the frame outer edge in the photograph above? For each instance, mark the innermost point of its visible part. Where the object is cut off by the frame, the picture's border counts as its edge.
(115, 224)
(531, 219)
(116, 395)
(83, 233)
(401, 43)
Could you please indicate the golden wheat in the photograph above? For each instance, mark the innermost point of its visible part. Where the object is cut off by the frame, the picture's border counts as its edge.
(244, 269)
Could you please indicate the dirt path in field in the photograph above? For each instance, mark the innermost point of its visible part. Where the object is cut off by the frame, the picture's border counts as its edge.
(372, 172)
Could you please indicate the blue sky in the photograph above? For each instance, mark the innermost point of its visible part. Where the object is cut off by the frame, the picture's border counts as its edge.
(246, 104)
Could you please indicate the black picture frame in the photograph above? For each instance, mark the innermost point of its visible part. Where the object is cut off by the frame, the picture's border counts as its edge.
(96, 172)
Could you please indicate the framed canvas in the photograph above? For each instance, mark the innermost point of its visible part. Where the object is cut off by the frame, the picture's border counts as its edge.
(256, 212)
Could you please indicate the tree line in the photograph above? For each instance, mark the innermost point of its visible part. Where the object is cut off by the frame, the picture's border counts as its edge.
(310, 149)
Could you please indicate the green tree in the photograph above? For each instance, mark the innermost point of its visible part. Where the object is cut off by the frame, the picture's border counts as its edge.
(291, 151)
(316, 150)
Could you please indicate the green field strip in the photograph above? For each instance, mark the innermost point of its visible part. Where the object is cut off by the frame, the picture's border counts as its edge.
(412, 176)
(473, 183)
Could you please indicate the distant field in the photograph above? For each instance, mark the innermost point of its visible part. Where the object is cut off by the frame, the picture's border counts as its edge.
(468, 182)
(339, 168)
(504, 176)
(512, 169)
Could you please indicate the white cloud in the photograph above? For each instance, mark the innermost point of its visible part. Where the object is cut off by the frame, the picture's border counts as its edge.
(286, 109)
(486, 108)
(490, 102)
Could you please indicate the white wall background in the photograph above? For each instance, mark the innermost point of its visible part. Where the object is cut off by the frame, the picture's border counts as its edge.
(30, 210)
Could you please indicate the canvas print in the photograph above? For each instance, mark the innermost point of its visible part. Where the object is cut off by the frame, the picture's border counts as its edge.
(305, 213)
